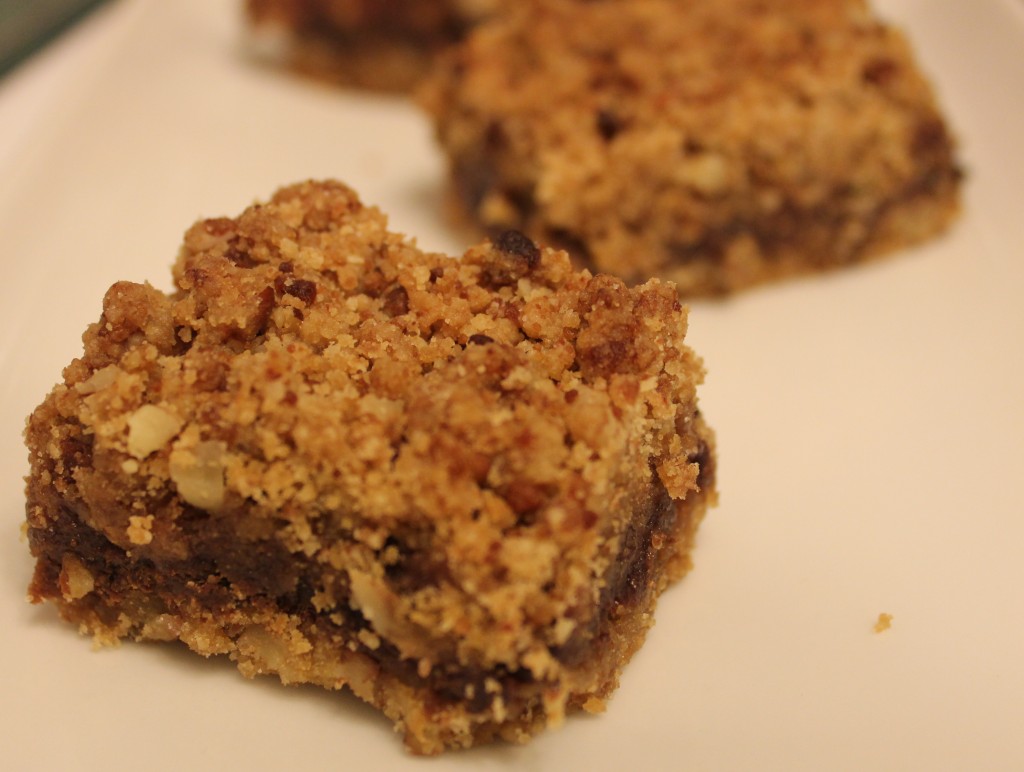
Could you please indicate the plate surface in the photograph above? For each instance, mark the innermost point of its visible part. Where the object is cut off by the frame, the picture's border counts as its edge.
(870, 424)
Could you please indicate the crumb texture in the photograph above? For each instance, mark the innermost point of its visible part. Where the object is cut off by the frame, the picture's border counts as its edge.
(456, 487)
(717, 143)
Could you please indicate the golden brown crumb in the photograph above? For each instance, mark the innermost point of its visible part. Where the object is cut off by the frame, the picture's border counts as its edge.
(883, 623)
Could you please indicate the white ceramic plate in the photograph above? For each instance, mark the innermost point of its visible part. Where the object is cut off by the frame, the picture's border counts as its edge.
(871, 432)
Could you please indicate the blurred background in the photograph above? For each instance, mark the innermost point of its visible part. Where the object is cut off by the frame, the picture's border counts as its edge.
(27, 25)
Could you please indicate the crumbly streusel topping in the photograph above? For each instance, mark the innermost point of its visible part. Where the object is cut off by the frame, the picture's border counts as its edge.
(645, 131)
(457, 442)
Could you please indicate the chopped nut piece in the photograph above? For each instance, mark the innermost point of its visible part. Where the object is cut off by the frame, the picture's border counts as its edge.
(149, 429)
(75, 580)
(199, 474)
(98, 381)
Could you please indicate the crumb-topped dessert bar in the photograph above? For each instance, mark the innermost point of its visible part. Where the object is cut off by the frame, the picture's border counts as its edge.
(456, 487)
(377, 44)
(716, 143)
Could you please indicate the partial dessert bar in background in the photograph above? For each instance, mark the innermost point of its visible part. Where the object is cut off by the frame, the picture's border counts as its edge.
(715, 143)
(377, 44)
(456, 487)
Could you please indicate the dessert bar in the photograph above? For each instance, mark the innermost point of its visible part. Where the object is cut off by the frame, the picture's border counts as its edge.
(715, 143)
(456, 487)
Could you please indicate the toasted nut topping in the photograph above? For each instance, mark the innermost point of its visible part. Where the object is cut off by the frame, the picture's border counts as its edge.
(100, 380)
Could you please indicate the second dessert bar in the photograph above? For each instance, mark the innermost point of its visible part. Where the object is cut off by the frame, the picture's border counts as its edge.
(716, 143)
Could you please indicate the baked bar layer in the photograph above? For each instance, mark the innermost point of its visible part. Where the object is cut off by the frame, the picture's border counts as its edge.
(716, 143)
(455, 486)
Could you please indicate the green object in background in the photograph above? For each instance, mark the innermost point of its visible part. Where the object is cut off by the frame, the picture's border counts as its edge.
(27, 25)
